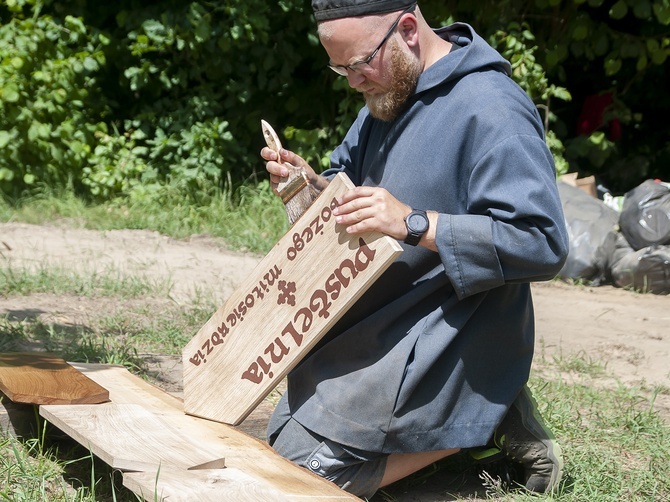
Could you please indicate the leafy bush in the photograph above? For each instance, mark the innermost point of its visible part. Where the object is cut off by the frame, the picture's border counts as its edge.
(181, 89)
(118, 99)
(512, 43)
(591, 48)
(198, 78)
(50, 107)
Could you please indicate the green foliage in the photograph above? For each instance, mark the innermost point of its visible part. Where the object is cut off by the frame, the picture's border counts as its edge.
(530, 75)
(588, 48)
(526, 71)
(595, 148)
(119, 99)
(199, 77)
(181, 89)
(49, 104)
(616, 48)
(116, 164)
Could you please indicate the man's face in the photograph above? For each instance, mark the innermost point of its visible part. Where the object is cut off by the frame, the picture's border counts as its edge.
(402, 74)
(388, 79)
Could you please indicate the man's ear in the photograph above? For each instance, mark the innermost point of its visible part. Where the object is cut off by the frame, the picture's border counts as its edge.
(408, 28)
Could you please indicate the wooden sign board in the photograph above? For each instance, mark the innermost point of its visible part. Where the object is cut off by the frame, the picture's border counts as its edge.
(294, 296)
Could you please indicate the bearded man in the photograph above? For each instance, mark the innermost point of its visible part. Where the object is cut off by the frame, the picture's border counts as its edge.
(448, 156)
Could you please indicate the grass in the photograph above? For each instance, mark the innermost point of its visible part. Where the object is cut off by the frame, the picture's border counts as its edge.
(615, 443)
(47, 278)
(30, 471)
(122, 323)
(251, 218)
(33, 470)
(114, 337)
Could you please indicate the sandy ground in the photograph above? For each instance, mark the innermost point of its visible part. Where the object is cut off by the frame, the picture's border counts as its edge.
(626, 331)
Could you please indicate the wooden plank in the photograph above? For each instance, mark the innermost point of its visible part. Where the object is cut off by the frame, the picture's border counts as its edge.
(241, 451)
(293, 297)
(42, 378)
(210, 485)
(129, 437)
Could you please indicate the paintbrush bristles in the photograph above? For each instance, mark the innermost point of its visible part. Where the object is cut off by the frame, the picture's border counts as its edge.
(300, 202)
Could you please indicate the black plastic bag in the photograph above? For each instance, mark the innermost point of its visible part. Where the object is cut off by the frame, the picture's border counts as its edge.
(592, 230)
(645, 216)
(646, 270)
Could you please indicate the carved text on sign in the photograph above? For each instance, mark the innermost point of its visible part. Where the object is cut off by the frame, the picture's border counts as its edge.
(301, 239)
(236, 316)
(286, 289)
(320, 303)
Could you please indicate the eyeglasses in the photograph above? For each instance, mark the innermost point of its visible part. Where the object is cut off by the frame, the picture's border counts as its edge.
(358, 66)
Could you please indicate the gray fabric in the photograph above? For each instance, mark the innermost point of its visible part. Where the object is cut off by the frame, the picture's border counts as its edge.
(335, 9)
(434, 353)
(357, 473)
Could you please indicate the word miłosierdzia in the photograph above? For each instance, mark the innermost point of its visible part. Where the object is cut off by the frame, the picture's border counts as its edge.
(294, 296)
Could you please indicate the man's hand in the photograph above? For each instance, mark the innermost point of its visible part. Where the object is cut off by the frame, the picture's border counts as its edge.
(366, 209)
(278, 171)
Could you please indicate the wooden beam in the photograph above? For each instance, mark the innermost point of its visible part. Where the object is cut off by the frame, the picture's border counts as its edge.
(294, 296)
(17, 419)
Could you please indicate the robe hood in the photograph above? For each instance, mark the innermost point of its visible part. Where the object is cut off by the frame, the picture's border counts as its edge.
(470, 54)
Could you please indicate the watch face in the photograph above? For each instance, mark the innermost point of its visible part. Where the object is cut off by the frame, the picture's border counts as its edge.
(417, 222)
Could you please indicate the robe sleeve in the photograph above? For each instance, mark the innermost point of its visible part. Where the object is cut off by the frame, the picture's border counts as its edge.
(514, 228)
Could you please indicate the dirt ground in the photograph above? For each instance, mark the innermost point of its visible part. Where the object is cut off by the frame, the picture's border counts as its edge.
(626, 331)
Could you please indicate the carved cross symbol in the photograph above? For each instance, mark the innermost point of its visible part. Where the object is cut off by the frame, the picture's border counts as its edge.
(287, 293)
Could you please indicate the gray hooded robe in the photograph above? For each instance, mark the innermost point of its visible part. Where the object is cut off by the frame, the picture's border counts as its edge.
(435, 352)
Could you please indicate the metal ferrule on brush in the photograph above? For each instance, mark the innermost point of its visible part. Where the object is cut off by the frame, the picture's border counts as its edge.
(293, 188)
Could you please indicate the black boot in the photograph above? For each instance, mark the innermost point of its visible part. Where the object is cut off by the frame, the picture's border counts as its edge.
(524, 437)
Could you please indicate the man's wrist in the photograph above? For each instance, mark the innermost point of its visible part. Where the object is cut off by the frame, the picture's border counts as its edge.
(416, 224)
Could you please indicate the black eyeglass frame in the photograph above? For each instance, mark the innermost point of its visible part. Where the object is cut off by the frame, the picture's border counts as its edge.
(343, 69)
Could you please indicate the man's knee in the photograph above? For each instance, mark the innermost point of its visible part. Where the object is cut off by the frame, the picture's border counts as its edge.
(329, 460)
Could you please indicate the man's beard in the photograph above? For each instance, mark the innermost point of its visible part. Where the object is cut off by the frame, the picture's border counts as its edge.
(404, 74)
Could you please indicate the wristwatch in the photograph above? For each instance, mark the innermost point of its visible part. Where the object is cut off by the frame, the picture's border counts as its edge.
(417, 225)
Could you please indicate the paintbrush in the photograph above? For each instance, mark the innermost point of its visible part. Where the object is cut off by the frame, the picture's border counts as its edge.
(296, 192)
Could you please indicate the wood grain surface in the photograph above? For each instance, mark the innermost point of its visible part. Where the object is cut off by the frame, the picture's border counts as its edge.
(218, 485)
(294, 296)
(241, 452)
(43, 378)
(129, 437)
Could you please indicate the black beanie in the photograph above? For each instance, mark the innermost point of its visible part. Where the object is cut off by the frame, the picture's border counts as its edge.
(335, 9)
